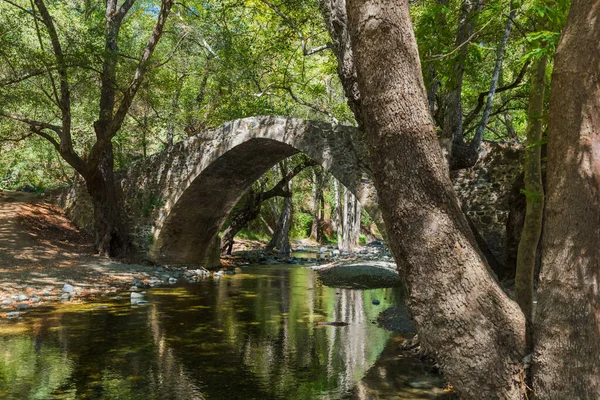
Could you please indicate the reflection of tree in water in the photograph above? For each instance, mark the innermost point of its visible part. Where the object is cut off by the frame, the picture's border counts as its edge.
(170, 377)
(287, 352)
(252, 335)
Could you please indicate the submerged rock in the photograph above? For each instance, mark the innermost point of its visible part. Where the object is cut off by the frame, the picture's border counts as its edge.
(365, 274)
(334, 323)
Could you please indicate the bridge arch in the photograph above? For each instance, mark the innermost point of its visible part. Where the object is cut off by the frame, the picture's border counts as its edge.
(235, 156)
(176, 201)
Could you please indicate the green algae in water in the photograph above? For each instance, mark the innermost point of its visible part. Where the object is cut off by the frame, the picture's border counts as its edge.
(250, 336)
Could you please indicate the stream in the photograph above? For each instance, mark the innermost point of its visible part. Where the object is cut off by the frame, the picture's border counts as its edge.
(254, 335)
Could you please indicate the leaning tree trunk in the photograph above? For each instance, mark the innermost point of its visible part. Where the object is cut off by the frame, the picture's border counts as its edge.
(567, 321)
(111, 238)
(462, 315)
(534, 192)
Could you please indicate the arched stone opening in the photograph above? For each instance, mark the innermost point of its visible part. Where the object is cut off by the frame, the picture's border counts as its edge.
(191, 221)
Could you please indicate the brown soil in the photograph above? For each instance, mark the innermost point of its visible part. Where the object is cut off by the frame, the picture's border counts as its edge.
(41, 250)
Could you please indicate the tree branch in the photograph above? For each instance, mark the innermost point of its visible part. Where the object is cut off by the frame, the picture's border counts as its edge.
(481, 99)
(280, 189)
(140, 71)
(305, 51)
(66, 144)
(33, 122)
(310, 105)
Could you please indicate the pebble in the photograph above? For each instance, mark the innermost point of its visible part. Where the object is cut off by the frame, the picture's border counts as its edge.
(7, 301)
(139, 302)
(172, 281)
(35, 300)
(135, 295)
(23, 297)
(22, 307)
(65, 296)
(68, 289)
(13, 315)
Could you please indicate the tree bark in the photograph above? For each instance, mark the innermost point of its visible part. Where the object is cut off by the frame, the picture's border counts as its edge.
(317, 197)
(281, 237)
(462, 315)
(338, 214)
(111, 239)
(534, 192)
(567, 329)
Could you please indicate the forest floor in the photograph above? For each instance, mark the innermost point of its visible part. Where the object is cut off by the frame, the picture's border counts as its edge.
(41, 251)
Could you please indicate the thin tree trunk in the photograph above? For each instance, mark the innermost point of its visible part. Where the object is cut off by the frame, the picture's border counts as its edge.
(336, 21)
(317, 197)
(532, 229)
(466, 155)
(345, 219)
(173, 112)
(462, 315)
(567, 328)
(453, 116)
(356, 225)
(338, 214)
(476, 142)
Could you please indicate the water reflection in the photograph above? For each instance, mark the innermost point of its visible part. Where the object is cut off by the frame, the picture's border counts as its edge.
(249, 336)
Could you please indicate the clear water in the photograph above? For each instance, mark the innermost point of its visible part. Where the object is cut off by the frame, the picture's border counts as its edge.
(253, 335)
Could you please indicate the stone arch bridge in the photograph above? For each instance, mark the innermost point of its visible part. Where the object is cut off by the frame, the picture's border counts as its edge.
(176, 201)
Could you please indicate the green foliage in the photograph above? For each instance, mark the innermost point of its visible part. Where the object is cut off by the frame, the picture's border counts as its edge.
(301, 225)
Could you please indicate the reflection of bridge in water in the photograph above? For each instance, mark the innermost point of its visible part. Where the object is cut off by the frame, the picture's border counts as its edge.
(176, 201)
(247, 336)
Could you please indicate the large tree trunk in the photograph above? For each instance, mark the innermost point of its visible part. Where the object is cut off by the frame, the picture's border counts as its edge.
(567, 327)
(281, 237)
(462, 315)
(111, 238)
(534, 192)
